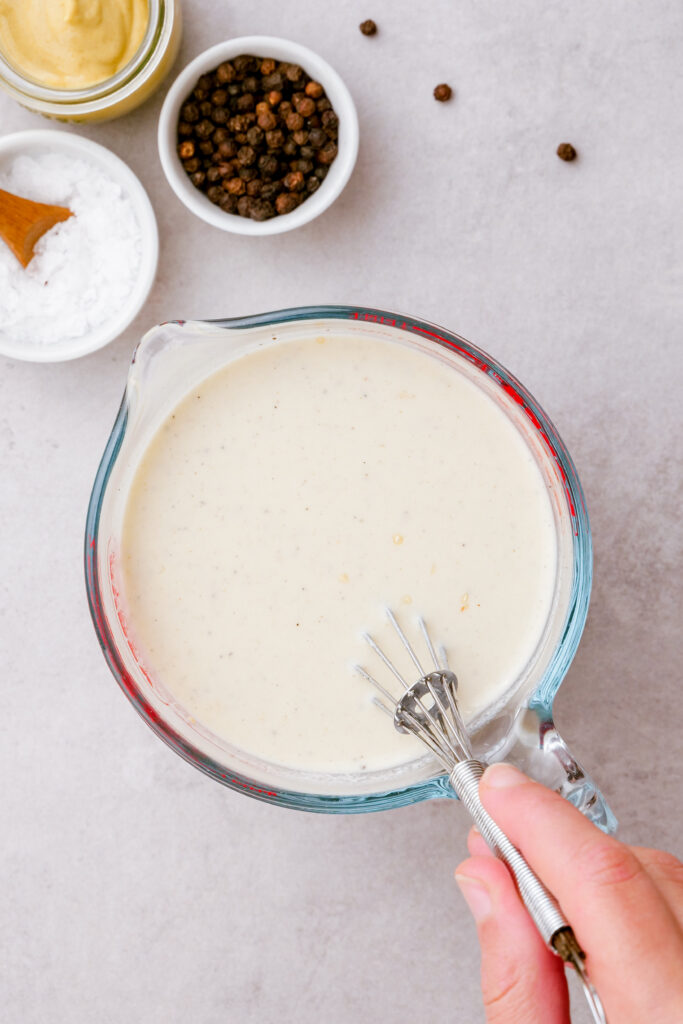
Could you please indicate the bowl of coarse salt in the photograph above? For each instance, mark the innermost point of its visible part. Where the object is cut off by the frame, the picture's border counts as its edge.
(90, 274)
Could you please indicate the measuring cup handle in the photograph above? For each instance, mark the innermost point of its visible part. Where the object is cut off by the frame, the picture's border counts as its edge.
(538, 749)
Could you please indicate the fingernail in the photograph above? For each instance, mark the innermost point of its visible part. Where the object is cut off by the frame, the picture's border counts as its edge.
(476, 896)
(501, 776)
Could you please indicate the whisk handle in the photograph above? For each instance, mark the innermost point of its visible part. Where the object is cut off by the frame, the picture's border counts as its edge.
(541, 904)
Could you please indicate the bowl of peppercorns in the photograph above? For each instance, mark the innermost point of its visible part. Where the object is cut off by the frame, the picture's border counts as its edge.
(258, 135)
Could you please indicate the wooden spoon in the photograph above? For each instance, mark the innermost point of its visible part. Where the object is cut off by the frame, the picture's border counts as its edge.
(23, 222)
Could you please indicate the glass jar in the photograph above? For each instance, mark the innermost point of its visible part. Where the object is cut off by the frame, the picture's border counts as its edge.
(114, 96)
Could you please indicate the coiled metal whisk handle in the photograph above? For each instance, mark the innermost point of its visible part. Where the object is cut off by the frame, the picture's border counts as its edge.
(540, 903)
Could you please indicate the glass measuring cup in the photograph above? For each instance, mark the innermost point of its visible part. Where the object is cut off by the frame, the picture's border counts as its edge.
(174, 357)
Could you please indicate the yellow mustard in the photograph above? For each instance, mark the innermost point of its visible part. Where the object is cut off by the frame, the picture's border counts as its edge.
(71, 44)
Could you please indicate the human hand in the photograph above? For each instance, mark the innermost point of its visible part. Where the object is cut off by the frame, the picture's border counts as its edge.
(624, 903)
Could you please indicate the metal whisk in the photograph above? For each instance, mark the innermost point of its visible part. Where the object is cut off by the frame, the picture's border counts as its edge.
(429, 710)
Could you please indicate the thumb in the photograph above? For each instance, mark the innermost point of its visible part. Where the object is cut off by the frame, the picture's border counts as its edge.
(522, 981)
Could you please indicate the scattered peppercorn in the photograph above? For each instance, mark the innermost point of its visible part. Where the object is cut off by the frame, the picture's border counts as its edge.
(566, 151)
(443, 92)
(257, 135)
(368, 28)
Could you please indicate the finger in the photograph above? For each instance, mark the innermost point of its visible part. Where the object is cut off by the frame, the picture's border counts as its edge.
(616, 910)
(477, 845)
(666, 871)
(522, 981)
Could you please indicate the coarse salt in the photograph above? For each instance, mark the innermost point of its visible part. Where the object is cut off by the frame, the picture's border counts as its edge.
(85, 268)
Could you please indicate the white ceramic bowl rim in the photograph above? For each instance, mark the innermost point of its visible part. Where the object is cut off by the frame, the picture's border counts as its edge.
(281, 49)
(46, 139)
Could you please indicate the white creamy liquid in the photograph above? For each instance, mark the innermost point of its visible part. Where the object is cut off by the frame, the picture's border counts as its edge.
(291, 496)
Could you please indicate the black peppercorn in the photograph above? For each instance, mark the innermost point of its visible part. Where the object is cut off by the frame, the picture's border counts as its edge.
(443, 92)
(273, 81)
(244, 204)
(255, 135)
(225, 72)
(267, 121)
(566, 151)
(215, 193)
(275, 138)
(329, 120)
(313, 184)
(190, 112)
(245, 65)
(204, 129)
(240, 123)
(197, 178)
(271, 189)
(246, 155)
(235, 186)
(317, 137)
(286, 202)
(368, 28)
(228, 204)
(206, 147)
(306, 106)
(268, 165)
(227, 149)
(261, 209)
(294, 181)
(314, 90)
(268, 65)
(294, 121)
(184, 128)
(245, 102)
(192, 165)
(328, 153)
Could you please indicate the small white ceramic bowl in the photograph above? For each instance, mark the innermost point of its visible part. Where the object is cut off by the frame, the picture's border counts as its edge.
(280, 49)
(56, 140)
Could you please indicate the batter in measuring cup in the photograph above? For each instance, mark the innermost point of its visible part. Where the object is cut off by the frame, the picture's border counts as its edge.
(290, 496)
